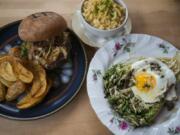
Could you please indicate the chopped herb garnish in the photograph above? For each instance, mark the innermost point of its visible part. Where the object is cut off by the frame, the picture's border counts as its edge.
(24, 51)
(114, 15)
(127, 49)
(155, 66)
(162, 76)
(169, 105)
(164, 48)
(146, 85)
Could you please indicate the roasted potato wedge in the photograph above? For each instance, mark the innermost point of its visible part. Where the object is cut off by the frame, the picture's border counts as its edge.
(5, 82)
(2, 92)
(39, 82)
(23, 73)
(6, 71)
(30, 101)
(19, 75)
(15, 90)
(9, 58)
(20, 71)
(15, 51)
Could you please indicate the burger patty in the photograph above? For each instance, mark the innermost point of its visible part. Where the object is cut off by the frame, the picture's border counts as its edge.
(48, 53)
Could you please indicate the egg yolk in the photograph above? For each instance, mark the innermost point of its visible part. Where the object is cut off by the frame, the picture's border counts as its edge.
(145, 82)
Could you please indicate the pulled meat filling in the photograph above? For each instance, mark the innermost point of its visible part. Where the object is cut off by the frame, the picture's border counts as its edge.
(47, 53)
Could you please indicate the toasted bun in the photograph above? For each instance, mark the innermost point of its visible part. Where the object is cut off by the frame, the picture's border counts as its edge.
(41, 26)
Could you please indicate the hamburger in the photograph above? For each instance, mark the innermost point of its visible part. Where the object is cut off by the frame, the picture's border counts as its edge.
(45, 40)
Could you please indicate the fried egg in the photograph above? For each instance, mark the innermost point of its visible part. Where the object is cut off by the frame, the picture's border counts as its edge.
(152, 79)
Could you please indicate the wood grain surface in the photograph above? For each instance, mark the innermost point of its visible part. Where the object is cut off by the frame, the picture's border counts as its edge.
(156, 17)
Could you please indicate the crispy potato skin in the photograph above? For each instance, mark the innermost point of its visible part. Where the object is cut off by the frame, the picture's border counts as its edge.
(5, 82)
(2, 92)
(30, 101)
(18, 76)
(15, 90)
(6, 71)
(23, 73)
(17, 69)
(39, 83)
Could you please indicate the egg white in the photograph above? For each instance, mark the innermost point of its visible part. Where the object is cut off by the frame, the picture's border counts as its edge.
(162, 83)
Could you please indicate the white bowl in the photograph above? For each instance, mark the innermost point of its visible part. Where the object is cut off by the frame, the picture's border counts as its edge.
(105, 33)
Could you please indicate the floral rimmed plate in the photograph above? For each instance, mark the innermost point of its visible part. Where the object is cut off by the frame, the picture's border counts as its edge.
(120, 50)
(89, 38)
(68, 78)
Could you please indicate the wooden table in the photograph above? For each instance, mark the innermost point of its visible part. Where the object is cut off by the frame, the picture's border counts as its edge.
(156, 17)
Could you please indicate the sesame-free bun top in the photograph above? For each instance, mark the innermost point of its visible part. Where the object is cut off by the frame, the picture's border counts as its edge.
(41, 26)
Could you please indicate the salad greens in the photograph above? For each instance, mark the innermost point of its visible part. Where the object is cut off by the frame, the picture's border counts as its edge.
(117, 83)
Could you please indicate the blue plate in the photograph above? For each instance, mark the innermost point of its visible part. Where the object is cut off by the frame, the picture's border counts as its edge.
(68, 78)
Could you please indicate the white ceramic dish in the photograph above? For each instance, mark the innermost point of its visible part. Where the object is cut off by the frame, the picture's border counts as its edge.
(89, 38)
(105, 33)
(119, 50)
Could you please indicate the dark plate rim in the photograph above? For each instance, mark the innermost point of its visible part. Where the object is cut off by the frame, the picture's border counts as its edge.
(68, 101)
